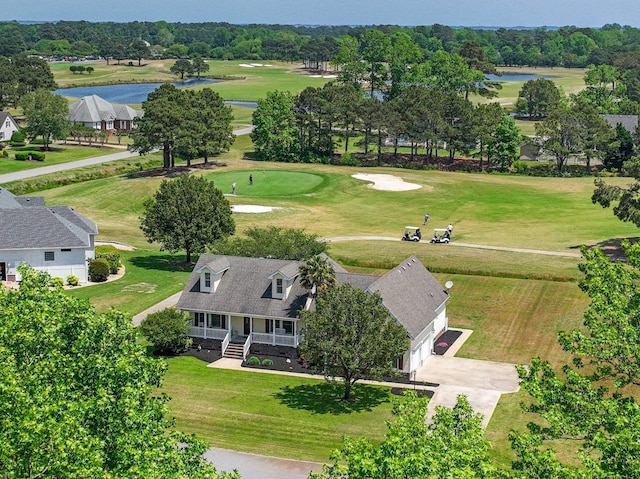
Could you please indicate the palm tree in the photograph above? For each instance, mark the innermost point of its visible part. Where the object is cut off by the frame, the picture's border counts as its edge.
(317, 274)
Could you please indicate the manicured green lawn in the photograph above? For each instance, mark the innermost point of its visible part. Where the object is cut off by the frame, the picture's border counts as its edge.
(151, 276)
(269, 183)
(271, 414)
(58, 154)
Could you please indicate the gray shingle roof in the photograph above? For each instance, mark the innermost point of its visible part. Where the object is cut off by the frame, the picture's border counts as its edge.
(411, 294)
(245, 289)
(91, 109)
(28, 224)
(630, 122)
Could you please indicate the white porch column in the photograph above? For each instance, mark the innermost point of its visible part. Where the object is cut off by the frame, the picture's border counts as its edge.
(273, 332)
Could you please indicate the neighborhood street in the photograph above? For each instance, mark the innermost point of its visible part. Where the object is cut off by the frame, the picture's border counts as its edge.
(253, 466)
(120, 155)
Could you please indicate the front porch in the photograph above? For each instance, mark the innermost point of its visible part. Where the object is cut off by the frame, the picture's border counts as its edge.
(245, 330)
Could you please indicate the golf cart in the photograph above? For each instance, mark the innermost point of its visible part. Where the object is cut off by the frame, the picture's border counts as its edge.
(412, 233)
(441, 235)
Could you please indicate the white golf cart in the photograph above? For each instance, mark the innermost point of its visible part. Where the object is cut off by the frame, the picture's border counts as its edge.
(441, 235)
(412, 233)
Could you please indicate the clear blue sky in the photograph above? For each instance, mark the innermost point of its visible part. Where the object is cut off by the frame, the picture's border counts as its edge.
(505, 13)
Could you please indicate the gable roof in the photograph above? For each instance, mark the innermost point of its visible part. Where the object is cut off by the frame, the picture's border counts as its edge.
(245, 289)
(28, 224)
(411, 294)
(4, 115)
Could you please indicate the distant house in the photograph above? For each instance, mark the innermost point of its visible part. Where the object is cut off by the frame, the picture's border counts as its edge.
(250, 301)
(95, 112)
(8, 126)
(55, 239)
(630, 122)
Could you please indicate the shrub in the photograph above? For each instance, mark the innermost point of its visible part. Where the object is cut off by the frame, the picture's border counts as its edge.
(167, 330)
(98, 270)
(253, 361)
(349, 159)
(56, 282)
(5, 154)
(112, 256)
(29, 155)
(267, 362)
(73, 280)
(520, 167)
(18, 136)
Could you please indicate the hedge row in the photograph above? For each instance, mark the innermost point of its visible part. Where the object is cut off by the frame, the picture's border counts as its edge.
(30, 155)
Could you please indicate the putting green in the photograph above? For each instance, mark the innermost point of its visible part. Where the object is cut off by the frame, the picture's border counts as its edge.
(268, 183)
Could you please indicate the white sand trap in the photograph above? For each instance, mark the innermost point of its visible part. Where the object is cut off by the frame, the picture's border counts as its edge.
(256, 64)
(314, 76)
(244, 65)
(329, 76)
(251, 209)
(386, 182)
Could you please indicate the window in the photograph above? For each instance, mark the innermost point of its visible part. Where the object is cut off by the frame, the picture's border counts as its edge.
(66, 250)
(198, 320)
(288, 327)
(217, 321)
(207, 280)
(279, 285)
(267, 326)
(49, 256)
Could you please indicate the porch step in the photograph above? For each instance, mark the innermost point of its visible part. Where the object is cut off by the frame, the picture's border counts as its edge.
(234, 351)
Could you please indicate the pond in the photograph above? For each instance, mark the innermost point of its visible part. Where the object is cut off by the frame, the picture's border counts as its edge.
(515, 77)
(130, 93)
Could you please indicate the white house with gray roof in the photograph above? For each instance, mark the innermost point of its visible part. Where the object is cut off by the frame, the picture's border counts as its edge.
(95, 112)
(8, 126)
(258, 301)
(55, 239)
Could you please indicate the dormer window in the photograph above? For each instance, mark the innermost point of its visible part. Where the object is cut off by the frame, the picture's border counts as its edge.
(279, 285)
(207, 280)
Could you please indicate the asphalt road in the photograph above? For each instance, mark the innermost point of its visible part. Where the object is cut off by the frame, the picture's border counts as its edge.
(253, 466)
(120, 155)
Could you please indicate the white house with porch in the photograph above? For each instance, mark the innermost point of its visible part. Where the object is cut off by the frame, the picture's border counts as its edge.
(245, 301)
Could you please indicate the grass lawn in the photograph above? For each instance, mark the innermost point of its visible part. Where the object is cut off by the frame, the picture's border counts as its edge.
(56, 155)
(151, 276)
(285, 416)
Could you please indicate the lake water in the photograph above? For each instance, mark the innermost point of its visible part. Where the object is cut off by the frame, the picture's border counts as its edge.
(515, 77)
(132, 93)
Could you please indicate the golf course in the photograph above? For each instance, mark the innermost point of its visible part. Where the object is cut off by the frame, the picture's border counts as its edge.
(515, 301)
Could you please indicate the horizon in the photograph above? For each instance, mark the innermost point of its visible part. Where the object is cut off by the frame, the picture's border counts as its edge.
(491, 14)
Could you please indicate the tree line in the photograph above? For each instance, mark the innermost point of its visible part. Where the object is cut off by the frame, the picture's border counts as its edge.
(568, 46)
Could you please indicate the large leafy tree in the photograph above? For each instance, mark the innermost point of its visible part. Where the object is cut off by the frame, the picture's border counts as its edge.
(273, 242)
(199, 66)
(275, 135)
(620, 150)
(351, 335)
(188, 213)
(452, 445)
(537, 98)
(182, 66)
(46, 114)
(504, 145)
(78, 394)
(183, 122)
(592, 402)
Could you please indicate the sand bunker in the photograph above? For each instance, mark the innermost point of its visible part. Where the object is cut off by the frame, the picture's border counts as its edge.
(387, 182)
(251, 209)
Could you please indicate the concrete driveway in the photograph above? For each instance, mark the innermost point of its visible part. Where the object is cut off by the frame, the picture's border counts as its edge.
(483, 382)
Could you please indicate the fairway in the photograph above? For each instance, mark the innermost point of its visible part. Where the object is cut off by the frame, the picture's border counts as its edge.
(268, 183)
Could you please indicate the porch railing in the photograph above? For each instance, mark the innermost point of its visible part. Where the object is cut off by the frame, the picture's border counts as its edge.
(225, 342)
(207, 333)
(276, 340)
(245, 349)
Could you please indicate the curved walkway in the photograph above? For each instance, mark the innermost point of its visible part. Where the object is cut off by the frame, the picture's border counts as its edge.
(568, 254)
